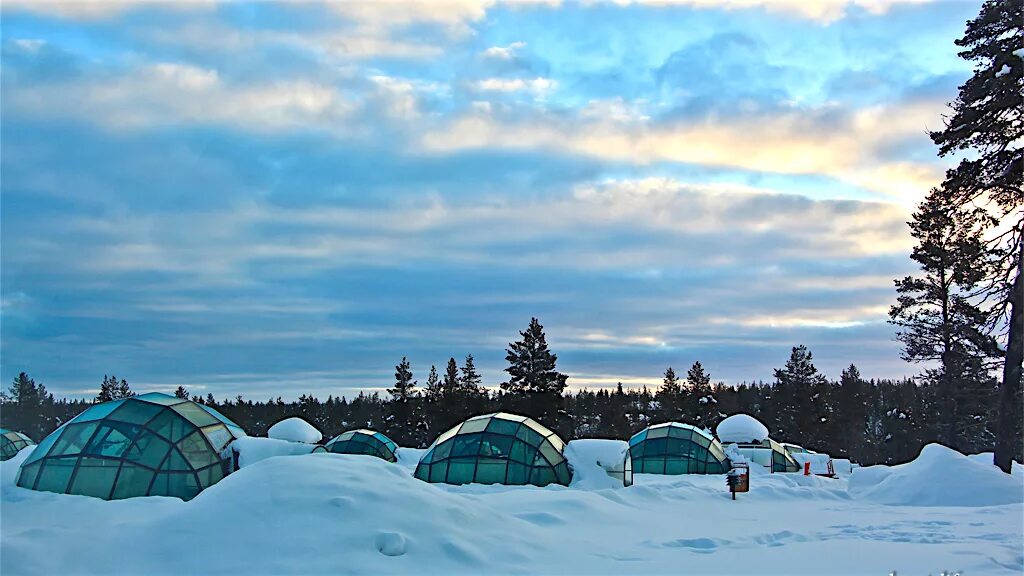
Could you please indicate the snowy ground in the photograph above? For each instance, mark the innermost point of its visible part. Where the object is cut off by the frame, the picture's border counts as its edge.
(329, 513)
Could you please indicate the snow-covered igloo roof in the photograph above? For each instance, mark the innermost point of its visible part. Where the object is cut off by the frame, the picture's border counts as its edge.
(741, 428)
(295, 430)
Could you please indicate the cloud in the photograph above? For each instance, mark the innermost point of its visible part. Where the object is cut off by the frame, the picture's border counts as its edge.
(536, 85)
(823, 11)
(826, 141)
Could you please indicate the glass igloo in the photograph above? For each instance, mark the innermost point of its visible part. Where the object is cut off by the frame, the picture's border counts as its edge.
(148, 445)
(675, 448)
(11, 443)
(496, 449)
(363, 442)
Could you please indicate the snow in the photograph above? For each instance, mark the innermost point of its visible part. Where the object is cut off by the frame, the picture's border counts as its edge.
(939, 476)
(353, 514)
(592, 461)
(819, 462)
(295, 430)
(252, 449)
(741, 428)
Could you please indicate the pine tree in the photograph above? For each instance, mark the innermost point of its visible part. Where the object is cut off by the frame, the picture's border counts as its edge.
(450, 384)
(797, 388)
(470, 380)
(704, 404)
(940, 324)
(851, 414)
(180, 392)
(433, 387)
(113, 389)
(534, 381)
(407, 424)
(987, 129)
(669, 397)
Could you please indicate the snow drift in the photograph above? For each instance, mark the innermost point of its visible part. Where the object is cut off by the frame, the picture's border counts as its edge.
(741, 428)
(353, 514)
(939, 476)
(295, 430)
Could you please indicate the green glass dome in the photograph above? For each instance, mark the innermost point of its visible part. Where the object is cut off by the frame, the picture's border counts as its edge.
(11, 443)
(496, 449)
(363, 442)
(675, 448)
(148, 445)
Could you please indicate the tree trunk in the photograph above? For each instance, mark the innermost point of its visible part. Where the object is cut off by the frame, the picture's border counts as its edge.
(1009, 408)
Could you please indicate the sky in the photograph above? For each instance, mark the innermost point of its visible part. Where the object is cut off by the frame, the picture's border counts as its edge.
(279, 199)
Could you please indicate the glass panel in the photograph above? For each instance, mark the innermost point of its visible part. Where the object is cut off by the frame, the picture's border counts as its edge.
(196, 451)
(542, 476)
(74, 438)
(676, 465)
(160, 398)
(537, 427)
(346, 435)
(182, 485)
(490, 471)
(428, 457)
(171, 426)
(496, 446)
(222, 418)
(148, 450)
(657, 432)
(218, 436)
(549, 452)
(461, 471)
(466, 445)
(510, 417)
(7, 450)
(499, 426)
(98, 411)
(474, 426)
(441, 451)
(422, 472)
(43, 448)
(638, 437)
(95, 477)
(518, 473)
(678, 432)
(529, 436)
(55, 474)
(562, 472)
(136, 412)
(556, 442)
(27, 475)
(438, 471)
(446, 435)
(195, 414)
(655, 447)
(112, 438)
(210, 475)
(654, 465)
(522, 452)
(638, 449)
(132, 481)
(175, 462)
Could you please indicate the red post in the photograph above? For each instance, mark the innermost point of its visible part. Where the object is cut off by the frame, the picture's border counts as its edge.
(807, 468)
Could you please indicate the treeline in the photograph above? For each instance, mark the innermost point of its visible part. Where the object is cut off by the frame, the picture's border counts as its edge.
(868, 421)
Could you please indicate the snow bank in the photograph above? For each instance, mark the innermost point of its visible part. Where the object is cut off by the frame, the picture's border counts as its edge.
(295, 430)
(252, 449)
(350, 514)
(741, 428)
(819, 462)
(592, 460)
(988, 459)
(939, 476)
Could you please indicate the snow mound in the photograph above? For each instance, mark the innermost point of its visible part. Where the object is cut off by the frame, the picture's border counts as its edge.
(819, 462)
(939, 476)
(252, 449)
(741, 428)
(987, 458)
(295, 430)
(593, 459)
